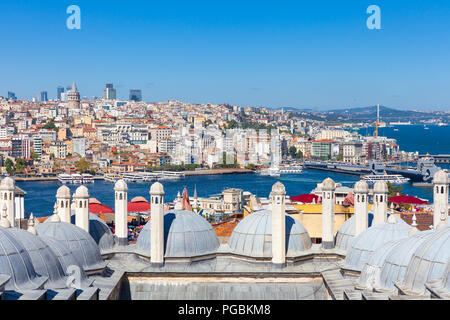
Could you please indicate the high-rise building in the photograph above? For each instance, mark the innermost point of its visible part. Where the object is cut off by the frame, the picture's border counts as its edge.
(59, 92)
(21, 148)
(73, 97)
(135, 95)
(12, 96)
(44, 96)
(109, 92)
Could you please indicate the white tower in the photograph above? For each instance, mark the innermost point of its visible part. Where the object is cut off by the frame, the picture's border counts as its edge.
(328, 202)
(121, 212)
(81, 200)
(440, 197)
(157, 224)
(380, 202)
(361, 200)
(277, 199)
(7, 196)
(63, 201)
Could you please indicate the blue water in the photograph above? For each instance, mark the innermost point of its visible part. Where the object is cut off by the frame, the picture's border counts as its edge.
(41, 195)
(435, 140)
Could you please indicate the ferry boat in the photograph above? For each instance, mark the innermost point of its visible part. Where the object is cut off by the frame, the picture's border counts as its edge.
(293, 169)
(65, 178)
(87, 178)
(77, 178)
(392, 178)
(271, 171)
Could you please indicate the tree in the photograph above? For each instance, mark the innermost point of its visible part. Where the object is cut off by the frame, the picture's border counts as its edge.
(82, 165)
(35, 156)
(299, 154)
(293, 151)
(394, 190)
(50, 125)
(20, 165)
(10, 166)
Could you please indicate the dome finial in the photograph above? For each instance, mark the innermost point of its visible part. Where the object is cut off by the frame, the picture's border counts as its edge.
(31, 224)
(4, 222)
(55, 216)
(392, 219)
(414, 228)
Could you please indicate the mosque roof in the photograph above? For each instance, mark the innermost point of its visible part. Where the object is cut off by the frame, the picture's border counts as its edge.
(16, 262)
(253, 236)
(346, 232)
(44, 260)
(373, 238)
(83, 246)
(186, 234)
(428, 262)
(397, 259)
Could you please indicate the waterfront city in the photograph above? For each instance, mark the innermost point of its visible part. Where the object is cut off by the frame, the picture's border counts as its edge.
(223, 161)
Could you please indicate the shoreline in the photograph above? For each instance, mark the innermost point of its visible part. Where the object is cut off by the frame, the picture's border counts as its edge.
(209, 172)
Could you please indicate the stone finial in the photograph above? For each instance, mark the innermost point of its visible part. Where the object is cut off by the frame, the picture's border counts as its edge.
(392, 219)
(4, 222)
(55, 216)
(414, 228)
(178, 206)
(443, 222)
(31, 225)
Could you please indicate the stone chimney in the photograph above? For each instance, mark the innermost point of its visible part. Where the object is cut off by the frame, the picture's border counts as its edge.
(328, 203)
(277, 200)
(121, 212)
(157, 224)
(361, 201)
(81, 200)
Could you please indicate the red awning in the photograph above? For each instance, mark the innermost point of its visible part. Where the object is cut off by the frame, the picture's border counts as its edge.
(97, 207)
(407, 200)
(306, 198)
(138, 204)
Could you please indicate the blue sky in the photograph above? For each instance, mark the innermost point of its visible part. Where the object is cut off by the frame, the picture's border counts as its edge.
(305, 54)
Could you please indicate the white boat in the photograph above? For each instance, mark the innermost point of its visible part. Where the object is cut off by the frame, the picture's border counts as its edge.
(87, 178)
(392, 178)
(271, 171)
(77, 178)
(65, 178)
(291, 169)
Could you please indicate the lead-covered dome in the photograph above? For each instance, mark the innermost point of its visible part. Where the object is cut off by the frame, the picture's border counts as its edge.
(66, 259)
(373, 238)
(428, 262)
(82, 245)
(186, 235)
(16, 263)
(44, 260)
(398, 259)
(99, 231)
(346, 232)
(252, 237)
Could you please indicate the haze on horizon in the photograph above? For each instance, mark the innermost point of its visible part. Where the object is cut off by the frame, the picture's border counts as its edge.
(298, 54)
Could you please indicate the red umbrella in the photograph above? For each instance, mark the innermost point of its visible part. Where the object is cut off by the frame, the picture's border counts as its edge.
(306, 198)
(138, 204)
(407, 200)
(97, 207)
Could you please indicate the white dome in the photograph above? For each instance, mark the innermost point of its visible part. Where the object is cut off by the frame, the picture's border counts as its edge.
(7, 184)
(441, 177)
(121, 186)
(81, 192)
(63, 192)
(157, 189)
(380, 187)
(346, 233)
(328, 184)
(361, 187)
(279, 188)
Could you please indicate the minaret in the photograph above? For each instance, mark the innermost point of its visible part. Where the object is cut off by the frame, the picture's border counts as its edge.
(361, 201)
(328, 202)
(277, 199)
(195, 199)
(31, 224)
(157, 224)
(121, 212)
(440, 197)
(380, 202)
(7, 195)
(63, 200)
(81, 200)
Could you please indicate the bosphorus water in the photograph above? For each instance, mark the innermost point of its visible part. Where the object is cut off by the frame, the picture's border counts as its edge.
(41, 195)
